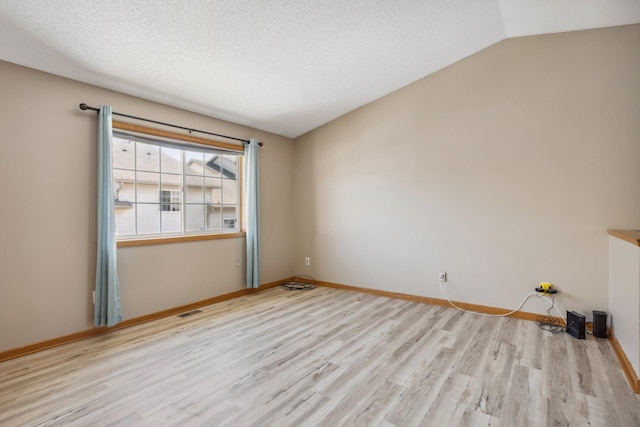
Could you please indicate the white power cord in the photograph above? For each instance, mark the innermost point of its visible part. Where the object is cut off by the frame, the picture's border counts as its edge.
(553, 304)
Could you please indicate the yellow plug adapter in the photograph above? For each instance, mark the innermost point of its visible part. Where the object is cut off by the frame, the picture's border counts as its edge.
(545, 288)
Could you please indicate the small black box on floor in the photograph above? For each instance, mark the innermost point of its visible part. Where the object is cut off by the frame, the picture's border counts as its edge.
(599, 324)
(575, 324)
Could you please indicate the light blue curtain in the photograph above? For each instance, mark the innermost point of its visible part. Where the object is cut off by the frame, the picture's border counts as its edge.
(107, 310)
(253, 213)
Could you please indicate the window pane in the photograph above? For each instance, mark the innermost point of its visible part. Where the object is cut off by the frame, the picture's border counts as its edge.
(212, 167)
(125, 220)
(195, 189)
(165, 200)
(230, 166)
(147, 187)
(214, 217)
(229, 191)
(214, 193)
(170, 160)
(176, 197)
(171, 182)
(123, 154)
(125, 191)
(147, 157)
(229, 217)
(170, 200)
(123, 183)
(194, 163)
(172, 220)
(148, 218)
(195, 218)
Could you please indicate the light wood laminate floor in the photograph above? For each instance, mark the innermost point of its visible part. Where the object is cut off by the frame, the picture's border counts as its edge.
(322, 357)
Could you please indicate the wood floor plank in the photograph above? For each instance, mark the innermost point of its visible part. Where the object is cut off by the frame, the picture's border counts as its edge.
(287, 404)
(580, 367)
(398, 349)
(517, 405)
(321, 357)
(496, 378)
(381, 400)
(557, 382)
(413, 404)
(529, 353)
(452, 400)
(537, 404)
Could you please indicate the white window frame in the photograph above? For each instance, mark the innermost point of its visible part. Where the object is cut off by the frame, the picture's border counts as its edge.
(186, 143)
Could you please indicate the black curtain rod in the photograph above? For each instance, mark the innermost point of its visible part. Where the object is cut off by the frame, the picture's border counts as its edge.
(84, 106)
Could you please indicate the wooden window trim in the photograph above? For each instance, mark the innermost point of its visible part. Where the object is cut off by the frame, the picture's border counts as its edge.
(177, 239)
(187, 138)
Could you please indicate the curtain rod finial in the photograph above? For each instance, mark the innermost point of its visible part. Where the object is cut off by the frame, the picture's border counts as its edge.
(85, 107)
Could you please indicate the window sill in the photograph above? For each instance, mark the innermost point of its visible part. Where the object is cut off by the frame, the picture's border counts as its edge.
(177, 239)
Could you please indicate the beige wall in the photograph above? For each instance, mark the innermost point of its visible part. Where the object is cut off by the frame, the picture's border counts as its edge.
(624, 297)
(47, 239)
(504, 170)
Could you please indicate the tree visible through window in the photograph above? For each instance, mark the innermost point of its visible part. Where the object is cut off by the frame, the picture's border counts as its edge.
(162, 188)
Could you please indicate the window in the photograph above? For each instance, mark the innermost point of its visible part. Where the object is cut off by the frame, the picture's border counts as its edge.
(170, 200)
(165, 187)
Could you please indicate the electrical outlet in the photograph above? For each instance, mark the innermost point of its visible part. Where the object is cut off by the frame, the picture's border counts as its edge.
(442, 276)
(307, 261)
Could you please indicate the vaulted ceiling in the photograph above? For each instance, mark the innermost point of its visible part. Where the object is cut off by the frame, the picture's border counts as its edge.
(282, 66)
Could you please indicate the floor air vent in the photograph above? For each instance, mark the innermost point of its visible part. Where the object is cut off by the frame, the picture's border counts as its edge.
(189, 313)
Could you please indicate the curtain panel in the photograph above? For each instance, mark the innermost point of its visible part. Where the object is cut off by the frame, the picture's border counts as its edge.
(253, 213)
(107, 309)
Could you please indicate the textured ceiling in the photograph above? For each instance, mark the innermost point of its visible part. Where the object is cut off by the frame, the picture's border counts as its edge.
(282, 66)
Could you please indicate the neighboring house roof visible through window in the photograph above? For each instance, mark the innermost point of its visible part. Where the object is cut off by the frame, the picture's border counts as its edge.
(148, 161)
(228, 167)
